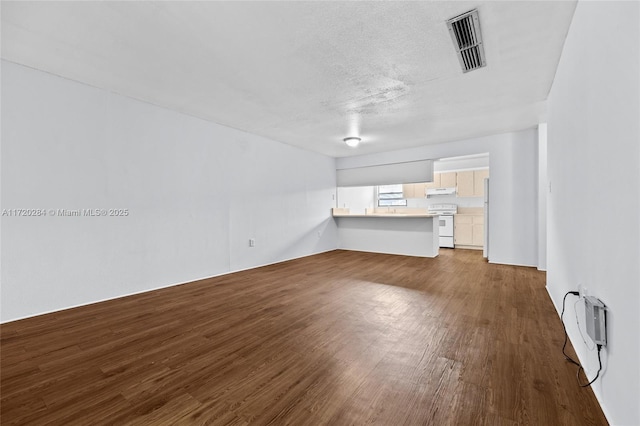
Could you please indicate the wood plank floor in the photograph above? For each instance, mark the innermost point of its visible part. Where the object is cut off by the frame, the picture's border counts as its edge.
(340, 338)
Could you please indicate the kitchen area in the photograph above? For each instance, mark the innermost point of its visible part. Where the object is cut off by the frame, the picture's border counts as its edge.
(456, 200)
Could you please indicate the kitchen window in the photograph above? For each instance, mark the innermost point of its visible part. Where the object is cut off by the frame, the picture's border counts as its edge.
(391, 195)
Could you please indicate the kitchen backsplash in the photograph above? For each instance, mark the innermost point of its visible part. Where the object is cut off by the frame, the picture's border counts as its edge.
(446, 199)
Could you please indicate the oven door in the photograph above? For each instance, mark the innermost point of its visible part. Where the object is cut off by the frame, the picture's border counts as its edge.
(446, 230)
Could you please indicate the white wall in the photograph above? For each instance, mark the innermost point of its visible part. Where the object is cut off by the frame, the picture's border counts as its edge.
(594, 168)
(513, 195)
(196, 192)
(356, 198)
(543, 188)
(455, 164)
(425, 202)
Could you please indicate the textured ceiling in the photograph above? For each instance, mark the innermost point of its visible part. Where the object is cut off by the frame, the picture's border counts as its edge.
(305, 73)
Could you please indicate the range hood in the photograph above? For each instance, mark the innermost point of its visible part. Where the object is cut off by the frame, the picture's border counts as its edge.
(440, 191)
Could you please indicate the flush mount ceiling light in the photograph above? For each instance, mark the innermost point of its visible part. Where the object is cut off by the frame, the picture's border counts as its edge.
(352, 141)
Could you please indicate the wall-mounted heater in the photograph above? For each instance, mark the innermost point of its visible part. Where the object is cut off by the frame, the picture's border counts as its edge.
(467, 39)
(595, 315)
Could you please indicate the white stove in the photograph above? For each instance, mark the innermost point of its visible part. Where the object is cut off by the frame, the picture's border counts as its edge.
(446, 212)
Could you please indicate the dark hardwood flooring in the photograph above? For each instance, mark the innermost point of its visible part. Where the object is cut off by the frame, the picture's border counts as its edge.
(341, 338)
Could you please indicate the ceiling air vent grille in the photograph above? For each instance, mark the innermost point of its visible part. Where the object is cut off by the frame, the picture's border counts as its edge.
(466, 36)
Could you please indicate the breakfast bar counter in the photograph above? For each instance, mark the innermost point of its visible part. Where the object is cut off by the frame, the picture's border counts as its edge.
(404, 233)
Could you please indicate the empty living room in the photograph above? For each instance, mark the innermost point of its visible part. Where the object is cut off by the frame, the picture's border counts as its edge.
(320, 213)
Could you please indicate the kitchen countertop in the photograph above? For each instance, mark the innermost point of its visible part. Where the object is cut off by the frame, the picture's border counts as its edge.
(470, 211)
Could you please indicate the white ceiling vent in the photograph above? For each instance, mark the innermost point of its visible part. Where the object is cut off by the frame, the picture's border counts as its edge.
(466, 36)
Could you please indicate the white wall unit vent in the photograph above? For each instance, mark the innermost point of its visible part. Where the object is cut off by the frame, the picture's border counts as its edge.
(595, 313)
(467, 39)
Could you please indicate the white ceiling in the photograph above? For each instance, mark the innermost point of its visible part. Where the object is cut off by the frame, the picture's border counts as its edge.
(305, 73)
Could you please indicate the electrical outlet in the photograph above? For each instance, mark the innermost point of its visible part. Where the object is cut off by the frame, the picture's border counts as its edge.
(252, 242)
(583, 291)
